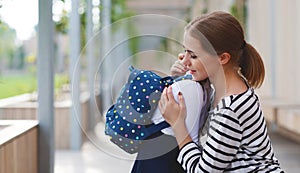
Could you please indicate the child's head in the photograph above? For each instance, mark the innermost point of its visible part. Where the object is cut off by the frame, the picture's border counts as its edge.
(220, 34)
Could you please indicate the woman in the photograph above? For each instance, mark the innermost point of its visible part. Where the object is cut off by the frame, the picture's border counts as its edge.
(237, 141)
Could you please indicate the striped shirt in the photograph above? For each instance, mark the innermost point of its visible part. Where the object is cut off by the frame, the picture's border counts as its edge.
(237, 140)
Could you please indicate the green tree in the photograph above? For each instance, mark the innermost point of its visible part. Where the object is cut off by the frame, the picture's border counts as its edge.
(239, 10)
(7, 45)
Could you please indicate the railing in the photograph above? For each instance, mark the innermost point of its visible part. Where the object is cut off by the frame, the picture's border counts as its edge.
(283, 117)
(18, 146)
(24, 107)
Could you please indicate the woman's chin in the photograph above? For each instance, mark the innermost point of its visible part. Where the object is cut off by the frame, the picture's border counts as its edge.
(195, 78)
(198, 78)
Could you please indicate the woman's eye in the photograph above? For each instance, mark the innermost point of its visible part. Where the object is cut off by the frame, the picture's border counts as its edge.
(190, 53)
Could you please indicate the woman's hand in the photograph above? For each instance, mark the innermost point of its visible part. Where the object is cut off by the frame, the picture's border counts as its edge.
(178, 68)
(175, 114)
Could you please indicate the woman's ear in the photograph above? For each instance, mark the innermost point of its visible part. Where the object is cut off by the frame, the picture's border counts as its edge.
(224, 58)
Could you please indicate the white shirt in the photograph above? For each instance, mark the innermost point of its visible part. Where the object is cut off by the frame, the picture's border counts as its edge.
(193, 96)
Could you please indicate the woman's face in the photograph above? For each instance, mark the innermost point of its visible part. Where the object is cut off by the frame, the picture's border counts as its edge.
(201, 64)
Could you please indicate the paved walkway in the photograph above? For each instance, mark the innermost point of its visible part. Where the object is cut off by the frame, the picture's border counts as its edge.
(287, 152)
(100, 156)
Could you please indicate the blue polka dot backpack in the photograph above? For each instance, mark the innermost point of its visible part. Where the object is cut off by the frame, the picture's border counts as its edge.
(128, 121)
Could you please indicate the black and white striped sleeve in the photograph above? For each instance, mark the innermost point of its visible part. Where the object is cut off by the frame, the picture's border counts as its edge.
(224, 138)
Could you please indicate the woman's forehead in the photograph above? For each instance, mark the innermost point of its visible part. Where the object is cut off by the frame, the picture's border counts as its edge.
(192, 44)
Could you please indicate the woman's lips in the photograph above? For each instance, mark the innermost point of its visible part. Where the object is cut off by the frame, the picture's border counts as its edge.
(192, 71)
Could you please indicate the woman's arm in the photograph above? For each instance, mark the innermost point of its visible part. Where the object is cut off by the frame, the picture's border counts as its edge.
(222, 145)
(223, 140)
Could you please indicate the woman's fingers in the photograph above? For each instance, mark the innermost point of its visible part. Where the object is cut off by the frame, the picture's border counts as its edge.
(178, 68)
(161, 106)
(181, 102)
(172, 111)
(164, 94)
(170, 94)
(180, 56)
(163, 101)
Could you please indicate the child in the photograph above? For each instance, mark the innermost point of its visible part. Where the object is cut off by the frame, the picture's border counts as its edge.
(159, 152)
(137, 102)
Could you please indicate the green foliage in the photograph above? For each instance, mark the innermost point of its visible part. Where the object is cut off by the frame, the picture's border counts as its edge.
(133, 42)
(15, 85)
(61, 26)
(60, 80)
(82, 30)
(205, 9)
(239, 10)
(119, 10)
(7, 43)
(16, 58)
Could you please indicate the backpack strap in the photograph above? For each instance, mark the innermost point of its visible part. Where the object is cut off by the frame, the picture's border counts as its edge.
(156, 128)
(179, 78)
(167, 81)
(131, 68)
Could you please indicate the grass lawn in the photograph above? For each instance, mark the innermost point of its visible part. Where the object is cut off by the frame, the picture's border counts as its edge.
(20, 84)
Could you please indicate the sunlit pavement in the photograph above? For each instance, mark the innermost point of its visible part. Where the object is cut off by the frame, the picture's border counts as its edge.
(287, 152)
(89, 161)
(98, 155)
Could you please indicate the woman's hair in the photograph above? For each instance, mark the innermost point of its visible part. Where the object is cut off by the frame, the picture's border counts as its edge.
(220, 32)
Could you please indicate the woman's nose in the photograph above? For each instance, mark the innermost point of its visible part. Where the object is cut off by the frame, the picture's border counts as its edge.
(186, 59)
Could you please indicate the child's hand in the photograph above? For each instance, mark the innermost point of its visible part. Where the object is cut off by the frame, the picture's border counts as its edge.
(178, 68)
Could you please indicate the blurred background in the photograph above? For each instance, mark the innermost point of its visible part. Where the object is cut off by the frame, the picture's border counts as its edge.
(63, 63)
